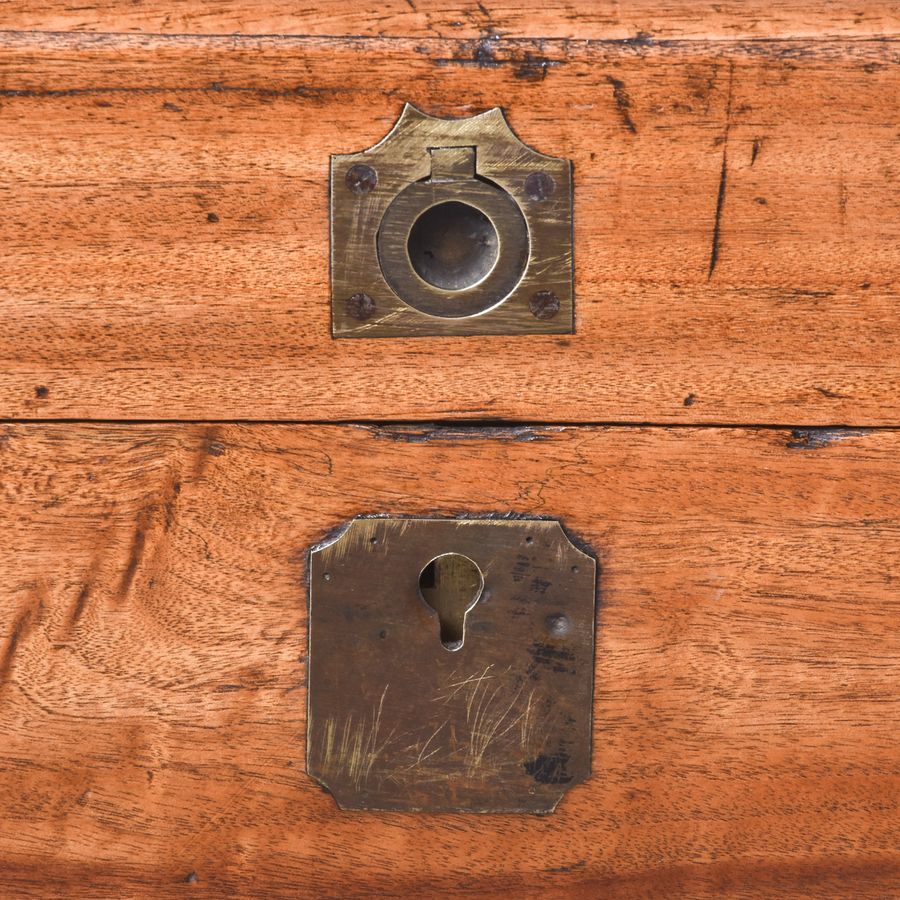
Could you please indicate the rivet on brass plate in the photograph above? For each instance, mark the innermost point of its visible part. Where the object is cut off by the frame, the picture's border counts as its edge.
(451, 664)
(450, 227)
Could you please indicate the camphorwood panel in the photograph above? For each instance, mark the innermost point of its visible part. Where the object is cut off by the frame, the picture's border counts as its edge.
(583, 19)
(153, 641)
(165, 228)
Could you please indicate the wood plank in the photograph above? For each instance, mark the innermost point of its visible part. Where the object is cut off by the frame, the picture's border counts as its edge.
(582, 19)
(165, 229)
(153, 640)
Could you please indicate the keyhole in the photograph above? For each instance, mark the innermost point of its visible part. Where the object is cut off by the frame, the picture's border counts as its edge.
(451, 584)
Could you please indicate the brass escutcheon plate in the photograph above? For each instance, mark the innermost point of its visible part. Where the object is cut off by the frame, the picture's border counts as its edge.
(451, 664)
(451, 227)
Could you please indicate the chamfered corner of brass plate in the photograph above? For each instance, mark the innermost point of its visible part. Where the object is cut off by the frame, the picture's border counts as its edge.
(451, 227)
(451, 664)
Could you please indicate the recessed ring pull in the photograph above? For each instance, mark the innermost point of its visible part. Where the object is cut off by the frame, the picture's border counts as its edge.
(451, 226)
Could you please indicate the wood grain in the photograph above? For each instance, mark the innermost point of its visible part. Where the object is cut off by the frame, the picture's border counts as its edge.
(153, 640)
(438, 18)
(165, 229)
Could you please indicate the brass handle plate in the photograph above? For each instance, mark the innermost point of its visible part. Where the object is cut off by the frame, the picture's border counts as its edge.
(451, 227)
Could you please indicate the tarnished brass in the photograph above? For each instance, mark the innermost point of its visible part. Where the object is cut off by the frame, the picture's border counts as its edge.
(450, 664)
(451, 226)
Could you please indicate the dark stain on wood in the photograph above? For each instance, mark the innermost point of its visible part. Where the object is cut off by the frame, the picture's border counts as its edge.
(526, 63)
(754, 152)
(210, 445)
(417, 434)
(623, 102)
(818, 438)
(831, 395)
(6, 660)
(80, 604)
(20, 629)
(170, 499)
(135, 553)
(571, 867)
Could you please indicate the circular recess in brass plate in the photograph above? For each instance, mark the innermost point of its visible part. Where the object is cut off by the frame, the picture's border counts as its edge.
(453, 246)
(453, 249)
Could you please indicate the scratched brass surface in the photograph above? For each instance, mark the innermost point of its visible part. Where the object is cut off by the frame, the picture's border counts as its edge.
(376, 196)
(398, 720)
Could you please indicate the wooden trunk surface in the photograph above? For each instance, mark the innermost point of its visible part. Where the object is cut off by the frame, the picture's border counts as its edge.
(165, 224)
(164, 221)
(153, 661)
(581, 19)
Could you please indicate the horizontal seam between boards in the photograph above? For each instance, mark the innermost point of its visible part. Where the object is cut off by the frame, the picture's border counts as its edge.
(467, 424)
(637, 41)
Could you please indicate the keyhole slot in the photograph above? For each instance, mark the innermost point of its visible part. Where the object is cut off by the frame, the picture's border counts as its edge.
(451, 584)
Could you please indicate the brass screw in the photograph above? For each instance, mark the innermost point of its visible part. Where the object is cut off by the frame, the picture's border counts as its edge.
(361, 306)
(539, 186)
(361, 178)
(544, 304)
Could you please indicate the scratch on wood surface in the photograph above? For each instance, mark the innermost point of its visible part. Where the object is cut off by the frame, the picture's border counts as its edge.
(717, 226)
(723, 183)
(843, 197)
(623, 102)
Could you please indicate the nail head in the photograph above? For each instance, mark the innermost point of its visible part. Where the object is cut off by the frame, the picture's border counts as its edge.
(544, 304)
(360, 306)
(361, 178)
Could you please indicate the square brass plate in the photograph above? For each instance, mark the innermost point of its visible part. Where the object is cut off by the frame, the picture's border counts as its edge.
(377, 196)
(405, 717)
